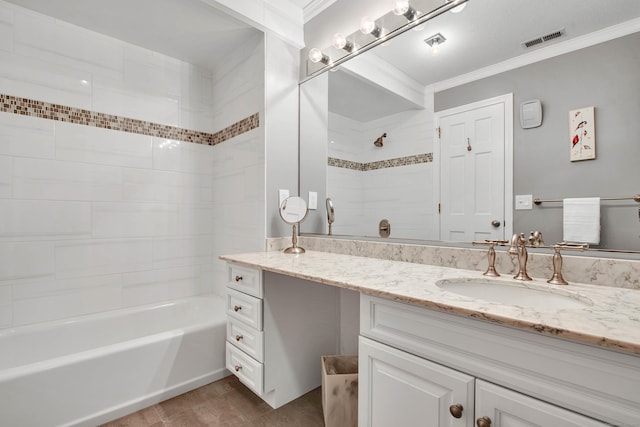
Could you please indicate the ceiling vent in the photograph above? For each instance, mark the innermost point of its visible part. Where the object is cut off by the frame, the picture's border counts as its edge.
(543, 39)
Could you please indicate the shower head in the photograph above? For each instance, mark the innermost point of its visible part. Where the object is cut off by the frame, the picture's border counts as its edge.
(378, 142)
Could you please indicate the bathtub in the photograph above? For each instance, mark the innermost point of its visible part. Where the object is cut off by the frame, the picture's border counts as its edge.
(93, 369)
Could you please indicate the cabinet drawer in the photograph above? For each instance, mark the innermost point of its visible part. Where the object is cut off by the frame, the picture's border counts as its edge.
(245, 279)
(245, 308)
(248, 371)
(246, 339)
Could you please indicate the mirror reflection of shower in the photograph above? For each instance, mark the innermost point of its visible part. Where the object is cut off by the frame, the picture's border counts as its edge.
(378, 142)
(330, 214)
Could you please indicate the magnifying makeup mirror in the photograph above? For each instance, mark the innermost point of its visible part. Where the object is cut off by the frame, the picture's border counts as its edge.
(293, 211)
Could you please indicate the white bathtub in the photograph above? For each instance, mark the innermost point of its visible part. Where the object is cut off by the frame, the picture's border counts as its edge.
(92, 369)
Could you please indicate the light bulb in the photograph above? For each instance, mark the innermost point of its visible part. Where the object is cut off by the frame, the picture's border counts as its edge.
(339, 40)
(367, 25)
(435, 47)
(316, 55)
(400, 7)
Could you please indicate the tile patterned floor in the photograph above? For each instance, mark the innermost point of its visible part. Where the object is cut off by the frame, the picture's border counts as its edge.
(226, 403)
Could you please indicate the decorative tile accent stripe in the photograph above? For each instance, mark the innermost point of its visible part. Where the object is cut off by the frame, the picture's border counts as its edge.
(45, 110)
(382, 164)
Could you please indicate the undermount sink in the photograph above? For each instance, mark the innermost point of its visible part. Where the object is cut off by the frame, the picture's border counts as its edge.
(522, 294)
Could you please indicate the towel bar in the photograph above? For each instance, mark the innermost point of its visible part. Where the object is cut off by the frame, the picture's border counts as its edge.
(635, 198)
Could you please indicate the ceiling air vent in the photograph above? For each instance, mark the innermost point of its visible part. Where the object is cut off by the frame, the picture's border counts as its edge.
(543, 39)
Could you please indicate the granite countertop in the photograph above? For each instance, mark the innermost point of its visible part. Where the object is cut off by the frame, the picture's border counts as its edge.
(609, 317)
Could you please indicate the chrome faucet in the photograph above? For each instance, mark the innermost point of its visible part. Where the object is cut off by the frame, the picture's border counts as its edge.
(519, 247)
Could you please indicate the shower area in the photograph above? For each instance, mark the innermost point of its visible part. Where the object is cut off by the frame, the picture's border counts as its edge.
(124, 173)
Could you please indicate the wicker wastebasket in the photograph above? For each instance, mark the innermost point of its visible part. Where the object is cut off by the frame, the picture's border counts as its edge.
(340, 391)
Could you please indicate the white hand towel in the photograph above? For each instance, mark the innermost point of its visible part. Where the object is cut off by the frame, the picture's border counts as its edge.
(581, 220)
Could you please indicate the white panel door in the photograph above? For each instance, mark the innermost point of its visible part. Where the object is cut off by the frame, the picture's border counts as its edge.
(498, 407)
(472, 175)
(400, 389)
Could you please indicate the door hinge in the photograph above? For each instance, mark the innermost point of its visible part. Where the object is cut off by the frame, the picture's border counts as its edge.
(438, 129)
(439, 208)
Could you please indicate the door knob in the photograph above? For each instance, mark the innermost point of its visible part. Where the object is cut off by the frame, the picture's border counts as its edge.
(483, 422)
(496, 223)
(456, 410)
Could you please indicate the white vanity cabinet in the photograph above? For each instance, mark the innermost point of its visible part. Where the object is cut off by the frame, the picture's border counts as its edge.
(278, 327)
(245, 337)
(420, 367)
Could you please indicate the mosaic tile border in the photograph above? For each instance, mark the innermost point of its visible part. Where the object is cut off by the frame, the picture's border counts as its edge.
(45, 110)
(382, 164)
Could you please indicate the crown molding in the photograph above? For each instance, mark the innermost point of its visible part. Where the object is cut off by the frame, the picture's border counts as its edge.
(315, 7)
(577, 43)
(280, 17)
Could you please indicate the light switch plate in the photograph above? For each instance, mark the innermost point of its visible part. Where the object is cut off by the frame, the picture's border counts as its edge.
(524, 202)
(313, 200)
(282, 194)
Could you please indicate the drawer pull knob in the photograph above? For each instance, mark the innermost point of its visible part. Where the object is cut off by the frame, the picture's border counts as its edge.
(238, 278)
(456, 410)
(483, 422)
(239, 337)
(238, 368)
(237, 308)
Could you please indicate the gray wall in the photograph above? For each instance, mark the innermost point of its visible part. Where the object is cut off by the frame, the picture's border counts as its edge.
(606, 76)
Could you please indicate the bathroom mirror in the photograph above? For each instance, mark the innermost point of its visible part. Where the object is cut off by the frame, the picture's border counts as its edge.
(399, 89)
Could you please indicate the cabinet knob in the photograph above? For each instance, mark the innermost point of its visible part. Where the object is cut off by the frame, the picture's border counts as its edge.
(239, 337)
(237, 308)
(483, 422)
(456, 410)
(237, 368)
(238, 278)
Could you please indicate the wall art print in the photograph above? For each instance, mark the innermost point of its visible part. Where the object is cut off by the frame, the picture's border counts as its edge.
(582, 134)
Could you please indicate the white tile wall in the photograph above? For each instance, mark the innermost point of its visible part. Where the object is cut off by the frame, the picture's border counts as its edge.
(102, 146)
(26, 136)
(6, 176)
(134, 220)
(44, 218)
(160, 285)
(52, 299)
(94, 219)
(26, 260)
(6, 306)
(61, 180)
(6, 28)
(98, 257)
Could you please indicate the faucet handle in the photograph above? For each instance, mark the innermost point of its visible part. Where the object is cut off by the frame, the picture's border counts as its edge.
(490, 242)
(491, 256)
(535, 238)
(556, 278)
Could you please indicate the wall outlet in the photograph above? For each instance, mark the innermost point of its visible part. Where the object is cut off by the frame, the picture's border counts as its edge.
(524, 202)
(282, 194)
(313, 200)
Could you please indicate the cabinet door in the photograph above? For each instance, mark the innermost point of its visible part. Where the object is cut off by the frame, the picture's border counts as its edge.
(505, 408)
(400, 389)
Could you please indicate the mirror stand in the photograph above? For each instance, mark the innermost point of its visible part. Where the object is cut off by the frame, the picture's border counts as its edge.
(294, 249)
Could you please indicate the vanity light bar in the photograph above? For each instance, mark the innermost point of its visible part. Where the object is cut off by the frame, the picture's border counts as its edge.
(383, 37)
